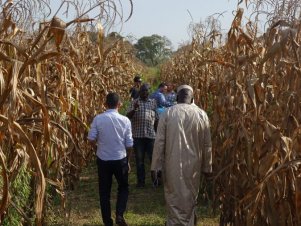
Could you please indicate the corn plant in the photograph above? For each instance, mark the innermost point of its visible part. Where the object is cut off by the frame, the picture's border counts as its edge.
(251, 86)
(53, 80)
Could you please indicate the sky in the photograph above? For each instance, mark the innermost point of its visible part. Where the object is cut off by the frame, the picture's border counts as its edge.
(170, 18)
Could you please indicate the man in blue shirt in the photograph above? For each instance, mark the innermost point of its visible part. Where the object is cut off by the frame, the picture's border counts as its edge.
(170, 94)
(113, 134)
(159, 96)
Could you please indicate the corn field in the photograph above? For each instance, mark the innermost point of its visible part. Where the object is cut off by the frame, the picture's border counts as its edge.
(53, 80)
(251, 87)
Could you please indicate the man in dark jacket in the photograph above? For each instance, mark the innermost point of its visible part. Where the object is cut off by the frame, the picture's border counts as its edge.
(134, 91)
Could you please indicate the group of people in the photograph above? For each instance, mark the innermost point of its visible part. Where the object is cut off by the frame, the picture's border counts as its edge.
(175, 135)
(144, 112)
(165, 95)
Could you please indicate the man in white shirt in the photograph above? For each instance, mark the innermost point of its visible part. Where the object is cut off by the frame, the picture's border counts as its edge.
(113, 134)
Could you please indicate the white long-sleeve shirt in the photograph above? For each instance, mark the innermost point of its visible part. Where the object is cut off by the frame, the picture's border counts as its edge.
(113, 133)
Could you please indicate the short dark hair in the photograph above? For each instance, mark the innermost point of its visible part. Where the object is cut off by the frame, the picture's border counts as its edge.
(162, 84)
(112, 100)
(145, 87)
(137, 79)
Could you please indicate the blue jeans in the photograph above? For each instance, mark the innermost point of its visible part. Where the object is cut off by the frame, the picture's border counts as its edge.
(142, 146)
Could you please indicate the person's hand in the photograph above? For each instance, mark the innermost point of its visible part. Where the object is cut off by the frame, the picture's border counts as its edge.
(93, 145)
(136, 105)
(156, 178)
(129, 166)
(153, 175)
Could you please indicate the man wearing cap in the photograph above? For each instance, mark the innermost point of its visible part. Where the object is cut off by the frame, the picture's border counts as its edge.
(134, 91)
(144, 118)
(182, 151)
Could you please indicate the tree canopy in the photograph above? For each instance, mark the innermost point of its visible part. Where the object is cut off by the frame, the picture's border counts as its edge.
(153, 49)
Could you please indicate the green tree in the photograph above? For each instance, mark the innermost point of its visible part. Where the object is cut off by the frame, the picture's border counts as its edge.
(154, 49)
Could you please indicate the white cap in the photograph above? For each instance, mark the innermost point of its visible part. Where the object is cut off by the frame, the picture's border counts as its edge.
(184, 87)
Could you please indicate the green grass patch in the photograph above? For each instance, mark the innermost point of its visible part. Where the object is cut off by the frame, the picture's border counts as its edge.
(21, 190)
(146, 206)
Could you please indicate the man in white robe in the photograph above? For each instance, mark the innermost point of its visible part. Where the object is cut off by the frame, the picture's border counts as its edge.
(182, 151)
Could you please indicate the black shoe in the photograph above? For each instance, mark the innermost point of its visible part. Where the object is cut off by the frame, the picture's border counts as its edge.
(140, 185)
(120, 221)
(109, 223)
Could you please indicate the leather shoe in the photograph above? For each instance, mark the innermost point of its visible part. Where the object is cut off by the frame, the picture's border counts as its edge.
(120, 221)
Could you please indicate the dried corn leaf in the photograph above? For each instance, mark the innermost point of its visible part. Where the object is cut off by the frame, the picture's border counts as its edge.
(5, 185)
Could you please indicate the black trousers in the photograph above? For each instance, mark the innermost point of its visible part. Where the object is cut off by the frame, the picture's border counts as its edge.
(106, 170)
(142, 146)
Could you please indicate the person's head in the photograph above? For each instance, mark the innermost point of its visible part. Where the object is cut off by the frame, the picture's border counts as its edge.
(144, 91)
(185, 94)
(170, 87)
(112, 101)
(137, 80)
(162, 87)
